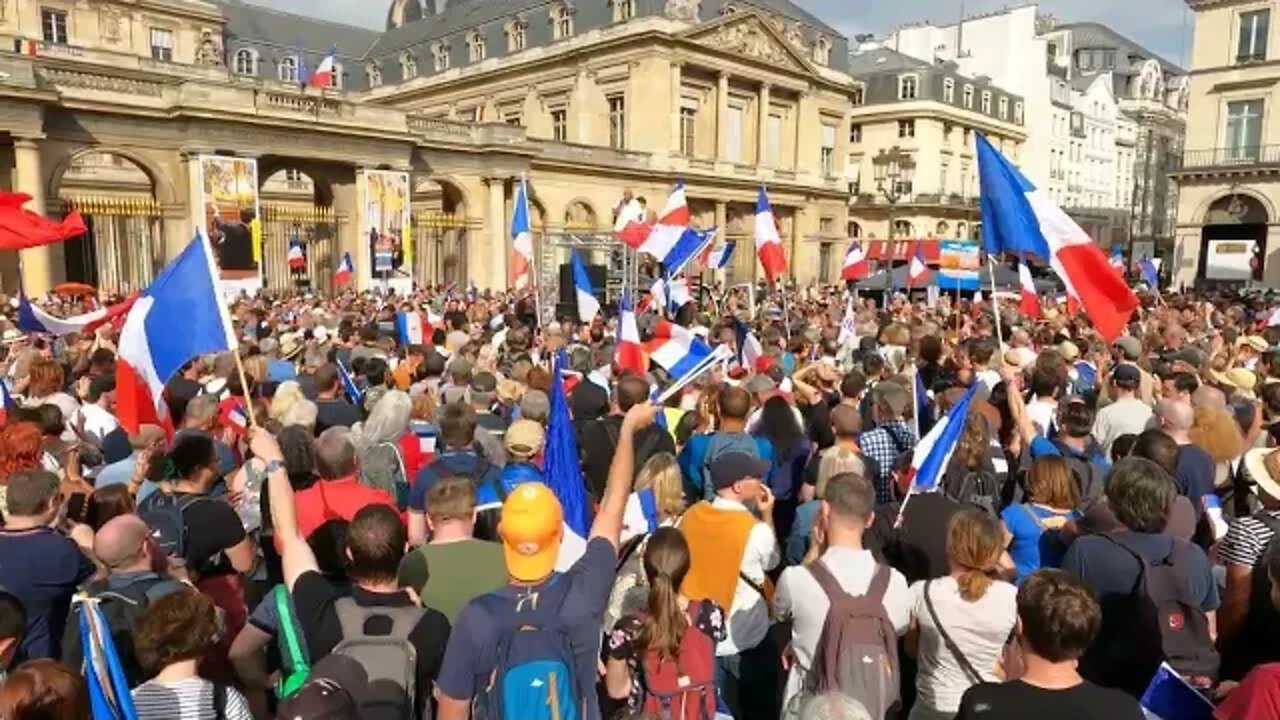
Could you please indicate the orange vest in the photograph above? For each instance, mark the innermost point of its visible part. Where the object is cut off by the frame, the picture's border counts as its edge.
(717, 541)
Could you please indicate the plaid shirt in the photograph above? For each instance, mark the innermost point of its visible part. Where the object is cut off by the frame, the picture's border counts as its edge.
(884, 444)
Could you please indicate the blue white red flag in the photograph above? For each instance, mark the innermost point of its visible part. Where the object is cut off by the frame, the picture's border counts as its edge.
(32, 319)
(676, 348)
(720, 256)
(521, 240)
(588, 305)
(933, 452)
(1169, 697)
(412, 328)
(630, 354)
(349, 385)
(346, 269)
(563, 471)
(184, 295)
(768, 242)
(326, 72)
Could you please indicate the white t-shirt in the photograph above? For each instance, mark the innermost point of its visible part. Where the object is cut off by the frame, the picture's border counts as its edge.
(801, 598)
(979, 629)
(98, 423)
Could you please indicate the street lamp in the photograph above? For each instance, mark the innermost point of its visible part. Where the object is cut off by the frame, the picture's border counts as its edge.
(894, 170)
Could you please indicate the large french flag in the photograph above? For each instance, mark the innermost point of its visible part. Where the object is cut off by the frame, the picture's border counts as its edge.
(345, 270)
(768, 242)
(630, 354)
(1029, 302)
(932, 454)
(676, 348)
(32, 319)
(672, 223)
(693, 243)
(856, 265)
(918, 270)
(184, 296)
(326, 71)
(563, 471)
(521, 240)
(1021, 219)
(588, 305)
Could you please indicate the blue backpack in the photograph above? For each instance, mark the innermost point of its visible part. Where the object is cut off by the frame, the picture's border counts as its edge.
(533, 678)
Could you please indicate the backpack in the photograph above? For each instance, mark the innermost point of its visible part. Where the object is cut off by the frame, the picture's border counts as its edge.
(683, 687)
(857, 652)
(162, 511)
(975, 488)
(390, 660)
(533, 677)
(1165, 620)
(382, 467)
(1088, 472)
(723, 444)
(121, 607)
(295, 666)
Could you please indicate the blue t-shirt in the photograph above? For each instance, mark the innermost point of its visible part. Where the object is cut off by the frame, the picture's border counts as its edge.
(43, 568)
(465, 463)
(1031, 549)
(1194, 475)
(471, 656)
(1109, 570)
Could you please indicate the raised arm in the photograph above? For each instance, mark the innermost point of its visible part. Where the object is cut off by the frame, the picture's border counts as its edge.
(608, 522)
(295, 555)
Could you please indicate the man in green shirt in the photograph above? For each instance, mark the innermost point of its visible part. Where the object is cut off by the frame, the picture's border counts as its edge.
(453, 567)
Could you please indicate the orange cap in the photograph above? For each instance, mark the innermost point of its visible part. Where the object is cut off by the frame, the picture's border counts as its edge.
(532, 527)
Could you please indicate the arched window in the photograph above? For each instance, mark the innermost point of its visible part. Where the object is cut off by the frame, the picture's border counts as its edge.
(339, 77)
(475, 46)
(440, 56)
(374, 73)
(409, 65)
(855, 230)
(561, 21)
(287, 72)
(961, 229)
(903, 230)
(942, 229)
(246, 62)
(517, 30)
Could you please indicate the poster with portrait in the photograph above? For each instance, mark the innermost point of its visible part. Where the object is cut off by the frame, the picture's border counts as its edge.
(384, 195)
(958, 265)
(229, 212)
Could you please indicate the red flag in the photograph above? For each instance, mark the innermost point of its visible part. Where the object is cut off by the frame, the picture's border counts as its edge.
(21, 229)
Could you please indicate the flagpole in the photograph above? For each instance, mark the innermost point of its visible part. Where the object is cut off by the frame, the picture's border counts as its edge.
(995, 302)
(235, 352)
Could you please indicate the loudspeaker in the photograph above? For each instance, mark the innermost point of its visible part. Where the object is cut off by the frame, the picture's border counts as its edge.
(568, 296)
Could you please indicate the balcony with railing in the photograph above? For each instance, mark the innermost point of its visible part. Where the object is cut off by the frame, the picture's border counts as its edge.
(1240, 157)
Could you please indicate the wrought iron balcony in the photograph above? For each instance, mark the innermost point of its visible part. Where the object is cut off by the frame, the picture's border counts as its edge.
(1244, 156)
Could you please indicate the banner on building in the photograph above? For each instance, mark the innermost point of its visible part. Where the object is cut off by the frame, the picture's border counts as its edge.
(1229, 260)
(229, 213)
(384, 195)
(958, 265)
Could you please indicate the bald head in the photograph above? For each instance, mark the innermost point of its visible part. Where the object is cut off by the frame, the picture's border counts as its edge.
(122, 544)
(147, 436)
(1207, 395)
(1176, 416)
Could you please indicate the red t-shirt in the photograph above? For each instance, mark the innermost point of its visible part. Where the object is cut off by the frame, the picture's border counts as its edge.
(336, 500)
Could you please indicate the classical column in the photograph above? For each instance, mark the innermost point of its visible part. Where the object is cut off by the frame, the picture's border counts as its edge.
(762, 127)
(722, 117)
(487, 262)
(41, 266)
(675, 108)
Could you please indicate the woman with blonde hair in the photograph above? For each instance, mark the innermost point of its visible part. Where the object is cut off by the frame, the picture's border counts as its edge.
(961, 622)
(287, 395)
(1215, 430)
(660, 476)
(377, 442)
(1051, 502)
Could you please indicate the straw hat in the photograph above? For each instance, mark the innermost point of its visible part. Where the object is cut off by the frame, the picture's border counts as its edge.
(1263, 465)
(1244, 381)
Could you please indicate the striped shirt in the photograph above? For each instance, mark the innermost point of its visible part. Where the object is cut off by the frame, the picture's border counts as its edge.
(1246, 539)
(189, 699)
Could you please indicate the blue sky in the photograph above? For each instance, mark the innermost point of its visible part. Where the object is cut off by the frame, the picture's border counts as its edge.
(1157, 25)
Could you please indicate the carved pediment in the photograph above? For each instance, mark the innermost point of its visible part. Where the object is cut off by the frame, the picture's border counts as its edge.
(748, 35)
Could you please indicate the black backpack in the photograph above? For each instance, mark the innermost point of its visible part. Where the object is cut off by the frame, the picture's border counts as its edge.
(162, 511)
(1090, 477)
(1162, 622)
(122, 607)
(977, 488)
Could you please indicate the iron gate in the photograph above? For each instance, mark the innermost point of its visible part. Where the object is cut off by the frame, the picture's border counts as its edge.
(123, 248)
(317, 229)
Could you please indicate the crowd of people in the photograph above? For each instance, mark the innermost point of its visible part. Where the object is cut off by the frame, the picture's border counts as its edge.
(759, 545)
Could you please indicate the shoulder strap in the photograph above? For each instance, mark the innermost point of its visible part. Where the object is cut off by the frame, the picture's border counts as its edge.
(758, 587)
(899, 446)
(1142, 562)
(974, 676)
(879, 583)
(220, 701)
(822, 575)
(1031, 513)
(284, 617)
(352, 618)
(395, 450)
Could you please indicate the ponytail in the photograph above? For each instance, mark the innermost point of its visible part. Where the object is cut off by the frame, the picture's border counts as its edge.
(973, 584)
(665, 623)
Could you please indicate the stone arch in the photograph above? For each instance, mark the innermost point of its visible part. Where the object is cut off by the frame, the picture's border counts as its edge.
(580, 214)
(161, 186)
(1219, 202)
(450, 184)
(942, 228)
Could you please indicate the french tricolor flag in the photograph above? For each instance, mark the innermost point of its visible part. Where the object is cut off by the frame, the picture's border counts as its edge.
(719, 257)
(32, 319)
(671, 294)
(856, 265)
(184, 295)
(640, 517)
(1150, 269)
(297, 259)
(932, 454)
(1029, 303)
(676, 348)
(412, 328)
(768, 242)
(233, 415)
(326, 72)
(1019, 218)
(7, 404)
(672, 223)
(521, 240)
(588, 305)
(346, 269)
(630, 354)
(918, 270)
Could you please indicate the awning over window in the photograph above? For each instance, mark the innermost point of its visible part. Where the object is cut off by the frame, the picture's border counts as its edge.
(901, 250)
